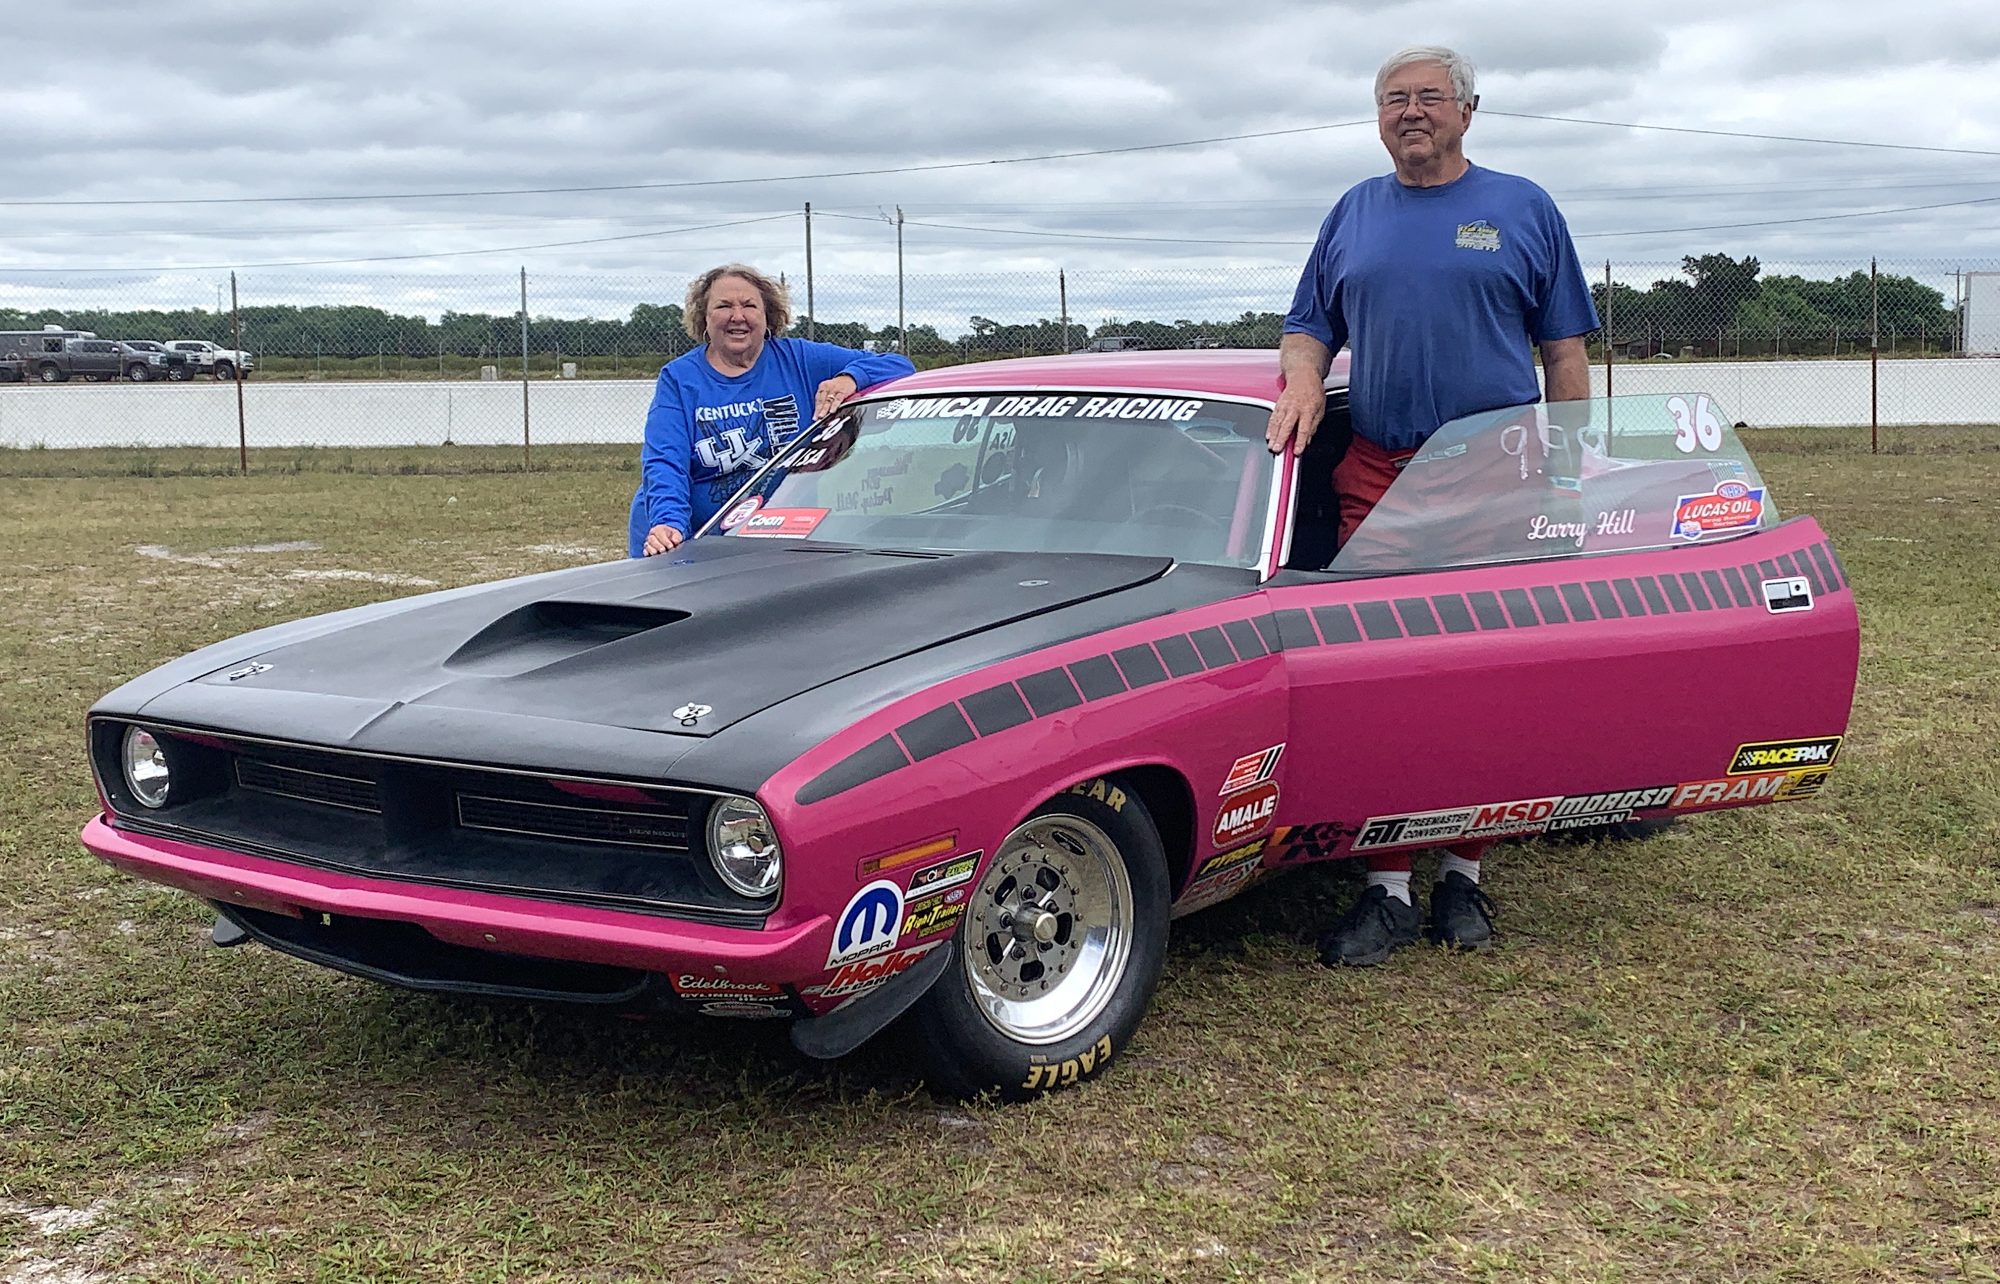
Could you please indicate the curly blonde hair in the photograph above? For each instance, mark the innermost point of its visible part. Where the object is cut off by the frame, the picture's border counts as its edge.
(777, 300)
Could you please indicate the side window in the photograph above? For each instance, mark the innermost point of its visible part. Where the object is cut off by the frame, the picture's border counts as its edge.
(52, 345)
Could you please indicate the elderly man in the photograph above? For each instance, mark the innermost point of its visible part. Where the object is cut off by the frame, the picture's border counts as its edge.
(1443, 278)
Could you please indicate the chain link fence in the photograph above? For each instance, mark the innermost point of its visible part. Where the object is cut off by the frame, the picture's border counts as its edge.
(519, 369)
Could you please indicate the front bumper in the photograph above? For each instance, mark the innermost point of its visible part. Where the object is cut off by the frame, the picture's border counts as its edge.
(268, 897)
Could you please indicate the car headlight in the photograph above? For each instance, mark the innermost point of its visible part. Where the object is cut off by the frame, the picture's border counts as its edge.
(147, 774)
(744, 847)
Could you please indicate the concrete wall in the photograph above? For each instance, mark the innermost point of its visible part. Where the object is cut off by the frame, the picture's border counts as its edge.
(1761, 393)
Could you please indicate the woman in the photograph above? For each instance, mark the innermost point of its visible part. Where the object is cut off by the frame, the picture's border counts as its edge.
(721, 411)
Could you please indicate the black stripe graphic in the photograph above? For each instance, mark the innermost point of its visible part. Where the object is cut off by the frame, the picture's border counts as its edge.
(1336, 624)
(1578, 602)
(1244, 638)
(1487, 608)
(1811, 572)
(1378, 621)
(935, 732)
(1097, 677)
(1738, 587)
(1214, 648)
(1417, 618)
(1050, 691)
(1179, 654)
(1140, 666)
(1648, 590)
(1604, 599)
(1519, 609)
(996, 709)
(1295, 629)
(1452, 613)
(1675, 598)
(1718, 591)
(876, 758)
(1550, 604)
(1267, 632)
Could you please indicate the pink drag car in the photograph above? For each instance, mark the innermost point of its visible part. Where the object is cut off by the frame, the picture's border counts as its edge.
(975, 687)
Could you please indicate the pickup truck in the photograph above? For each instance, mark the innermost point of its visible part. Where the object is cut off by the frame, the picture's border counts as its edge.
(56, 358)
(223, 363)
(156, 361)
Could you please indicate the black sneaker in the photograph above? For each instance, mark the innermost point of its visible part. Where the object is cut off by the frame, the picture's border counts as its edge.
(1377, 925)
(1461, 915)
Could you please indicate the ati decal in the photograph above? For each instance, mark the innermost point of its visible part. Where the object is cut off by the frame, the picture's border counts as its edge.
(742, 1010)
(1110, 795)
(1415, 828)
(932, 917)
(1251, 769)
(1310, 842)
(689, 986)
(1064, 1073)
(1731, 506)
(741, 513)
(868, 925)
(1244, 814)
(861, 977)
(782, 523)
(1771, 786)
(1776, 755)
(932, 879)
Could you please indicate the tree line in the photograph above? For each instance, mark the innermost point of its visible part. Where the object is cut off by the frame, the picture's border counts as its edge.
(1721, 301)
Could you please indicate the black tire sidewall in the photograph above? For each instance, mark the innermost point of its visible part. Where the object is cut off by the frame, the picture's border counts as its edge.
(966, 1055)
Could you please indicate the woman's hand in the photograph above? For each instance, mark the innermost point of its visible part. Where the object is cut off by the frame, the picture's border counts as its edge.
(661, 539)
(831, 393)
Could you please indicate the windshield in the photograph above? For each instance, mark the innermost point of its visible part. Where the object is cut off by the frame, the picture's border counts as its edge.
(1568, 479)
(1155, 475)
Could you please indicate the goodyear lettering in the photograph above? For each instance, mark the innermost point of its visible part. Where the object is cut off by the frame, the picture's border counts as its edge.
(1777, 755)
(1065, 1073)
(1110, 795)
(932, 916)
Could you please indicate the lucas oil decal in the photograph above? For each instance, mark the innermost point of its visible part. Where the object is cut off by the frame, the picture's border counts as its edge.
(1731, 506)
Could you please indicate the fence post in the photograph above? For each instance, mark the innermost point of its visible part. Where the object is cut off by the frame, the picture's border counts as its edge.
(1610, 343)
(812, 320)
(1062, 298)
(902, 322)
(236, 369)
(1874, 359)
(527, 457)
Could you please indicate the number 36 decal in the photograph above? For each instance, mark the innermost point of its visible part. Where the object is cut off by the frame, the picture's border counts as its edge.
(1696, 426)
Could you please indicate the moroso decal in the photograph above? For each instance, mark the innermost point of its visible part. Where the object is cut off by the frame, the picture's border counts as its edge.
(864, 975)
(869, 923)
(932, 879)
(1251, 769)
(1245, 814)
(1774, 755)
(1066, 1072)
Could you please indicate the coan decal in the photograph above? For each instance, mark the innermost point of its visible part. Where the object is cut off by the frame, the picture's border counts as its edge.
(1245, 814)
(781, 523)
(1731, 506)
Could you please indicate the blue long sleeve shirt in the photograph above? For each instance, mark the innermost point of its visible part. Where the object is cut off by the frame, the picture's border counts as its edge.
(708, 431)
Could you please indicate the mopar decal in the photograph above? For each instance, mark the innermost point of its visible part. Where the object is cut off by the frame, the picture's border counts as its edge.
(869, 923)
(1775, 755)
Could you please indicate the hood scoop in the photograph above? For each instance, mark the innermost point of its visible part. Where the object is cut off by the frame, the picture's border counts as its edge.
(542, 633)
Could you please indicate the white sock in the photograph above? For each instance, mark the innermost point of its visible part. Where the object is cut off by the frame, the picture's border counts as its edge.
(1458, 865)
(1396, 880)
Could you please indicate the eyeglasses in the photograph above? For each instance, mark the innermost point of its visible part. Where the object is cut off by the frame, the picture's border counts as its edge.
(1428, 99)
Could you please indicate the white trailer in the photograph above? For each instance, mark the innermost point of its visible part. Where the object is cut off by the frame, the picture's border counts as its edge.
(1982, 314)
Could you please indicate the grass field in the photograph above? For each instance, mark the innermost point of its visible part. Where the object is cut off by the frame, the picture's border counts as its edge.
(1763, 1046)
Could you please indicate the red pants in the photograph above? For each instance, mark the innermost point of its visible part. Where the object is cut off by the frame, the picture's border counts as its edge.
(1360, 479)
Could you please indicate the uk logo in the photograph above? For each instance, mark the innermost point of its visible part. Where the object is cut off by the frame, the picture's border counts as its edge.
(869, 924)
(729, 451)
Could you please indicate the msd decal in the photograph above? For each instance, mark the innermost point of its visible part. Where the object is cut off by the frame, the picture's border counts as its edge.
(1501, 820)
(1251, 769)
(869, 923)
(782, 523)
(1243, 815)
(1776, 755)
(1731, 506)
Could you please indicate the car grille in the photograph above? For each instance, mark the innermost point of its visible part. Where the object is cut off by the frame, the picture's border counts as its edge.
(356, 793)
(584, 824)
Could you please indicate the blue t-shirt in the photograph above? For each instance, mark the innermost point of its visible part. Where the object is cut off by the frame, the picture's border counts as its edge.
(1441, 293)
(708, 431)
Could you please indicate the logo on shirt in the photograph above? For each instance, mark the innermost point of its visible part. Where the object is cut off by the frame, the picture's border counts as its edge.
(730, 450)
(1479, 235)
(781, 416)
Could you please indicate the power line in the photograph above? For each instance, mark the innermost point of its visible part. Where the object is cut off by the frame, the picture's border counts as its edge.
(1074, 236)
(1785, 222)
(1734, 133)
(703, 182)
(398, 258)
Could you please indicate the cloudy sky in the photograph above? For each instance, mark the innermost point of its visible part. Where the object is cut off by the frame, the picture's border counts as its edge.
(150, 148)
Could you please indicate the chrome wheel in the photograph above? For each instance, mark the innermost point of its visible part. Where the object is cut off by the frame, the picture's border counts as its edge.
(1048, 932)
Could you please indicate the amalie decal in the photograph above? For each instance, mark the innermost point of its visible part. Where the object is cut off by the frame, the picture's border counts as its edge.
(1246, 814)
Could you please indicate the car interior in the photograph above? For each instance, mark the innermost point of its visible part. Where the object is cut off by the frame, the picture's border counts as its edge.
(1315, 511)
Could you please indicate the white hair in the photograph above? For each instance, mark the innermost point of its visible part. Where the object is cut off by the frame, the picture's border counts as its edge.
(1456, 65)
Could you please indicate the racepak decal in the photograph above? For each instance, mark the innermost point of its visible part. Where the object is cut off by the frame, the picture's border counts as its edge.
(1773, 755)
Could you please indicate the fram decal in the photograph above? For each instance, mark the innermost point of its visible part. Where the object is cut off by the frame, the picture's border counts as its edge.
(1251, 769)
(932, 879)
(869, 923)
(1766, 787)
(1731, 506)
(1244, 814)
(1775, 755)
(864, 975)
(781, 523)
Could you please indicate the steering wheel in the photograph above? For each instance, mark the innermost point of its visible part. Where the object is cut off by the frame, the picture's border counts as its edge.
(1182, 510)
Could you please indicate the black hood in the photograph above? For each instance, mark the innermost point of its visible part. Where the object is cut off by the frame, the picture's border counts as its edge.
(688, 645)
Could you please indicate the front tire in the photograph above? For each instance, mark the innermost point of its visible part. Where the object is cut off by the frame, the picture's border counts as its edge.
(137, 372)
(1056, 959)
(50, 373)
(224, 372)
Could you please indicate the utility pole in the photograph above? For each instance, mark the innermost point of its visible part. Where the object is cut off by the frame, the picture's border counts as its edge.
(1874, 358)
(527, 458)
(902, 324)
(1062, 295)
(236, 325)
(812, 317)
